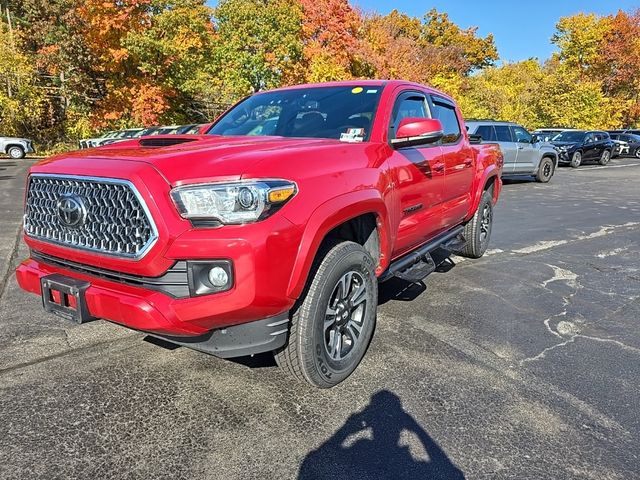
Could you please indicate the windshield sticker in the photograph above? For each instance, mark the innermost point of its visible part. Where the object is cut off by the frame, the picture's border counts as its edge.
(357, 90)
(352, 135)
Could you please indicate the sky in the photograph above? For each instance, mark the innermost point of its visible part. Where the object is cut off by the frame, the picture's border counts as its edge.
(521, 30)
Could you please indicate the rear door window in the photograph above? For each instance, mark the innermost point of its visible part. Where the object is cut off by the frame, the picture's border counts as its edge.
(487, 133)
(503, 133)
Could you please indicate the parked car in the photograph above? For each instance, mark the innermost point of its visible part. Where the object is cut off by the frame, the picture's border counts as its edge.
(633, 131)
(578, 146)
(158, 130)
(522, 154)
(16, 148)
(191, 129)
(236, 244)
(120, 136)
(547, 134)
(631, 142)
(93, 142)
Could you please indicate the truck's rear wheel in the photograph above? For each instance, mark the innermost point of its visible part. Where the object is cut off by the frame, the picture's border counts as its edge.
(334, 321)
(477, 231)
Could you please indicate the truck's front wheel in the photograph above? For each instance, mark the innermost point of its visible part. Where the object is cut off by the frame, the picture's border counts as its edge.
(333, 323)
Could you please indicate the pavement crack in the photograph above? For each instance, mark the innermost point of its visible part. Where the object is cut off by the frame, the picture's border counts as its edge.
(10, 260)
(65, 353)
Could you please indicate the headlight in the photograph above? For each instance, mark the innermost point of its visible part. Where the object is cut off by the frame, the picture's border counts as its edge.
(232, 203)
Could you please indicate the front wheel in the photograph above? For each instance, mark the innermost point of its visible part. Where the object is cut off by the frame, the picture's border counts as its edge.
(545, 170)
(477, 231)
(576, 159)
(333, 323)
(16, 152)
(605, 157)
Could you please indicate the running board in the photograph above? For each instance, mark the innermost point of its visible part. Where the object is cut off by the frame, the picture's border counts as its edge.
(416, 265)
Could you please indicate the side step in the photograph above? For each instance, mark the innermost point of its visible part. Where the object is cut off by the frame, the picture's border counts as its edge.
(416, 265)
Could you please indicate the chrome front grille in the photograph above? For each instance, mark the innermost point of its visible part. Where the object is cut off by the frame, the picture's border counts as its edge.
(99, 214)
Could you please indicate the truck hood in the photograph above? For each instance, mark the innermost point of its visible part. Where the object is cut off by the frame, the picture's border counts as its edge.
(195, 158)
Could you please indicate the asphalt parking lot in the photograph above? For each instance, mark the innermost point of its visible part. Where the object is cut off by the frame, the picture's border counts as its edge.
(524, 364)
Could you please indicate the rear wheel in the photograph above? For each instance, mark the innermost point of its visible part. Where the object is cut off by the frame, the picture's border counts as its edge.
(637, 152)
(545, 170)
(333, 323)
(605, 157)
(16, 152)
(576, 159)
(477, 231)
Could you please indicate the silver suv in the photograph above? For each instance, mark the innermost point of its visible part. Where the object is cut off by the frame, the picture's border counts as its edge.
(16, 147)
(523, 155)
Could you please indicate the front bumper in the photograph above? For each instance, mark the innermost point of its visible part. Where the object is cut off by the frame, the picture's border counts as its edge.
(175, 320)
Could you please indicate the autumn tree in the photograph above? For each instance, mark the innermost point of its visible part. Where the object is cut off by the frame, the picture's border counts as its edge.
(505, 93)
(621, 59)
(580, 39)
(330, 37)
(21, 101)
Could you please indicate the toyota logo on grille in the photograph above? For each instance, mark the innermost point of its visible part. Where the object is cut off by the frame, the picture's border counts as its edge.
(71, 210)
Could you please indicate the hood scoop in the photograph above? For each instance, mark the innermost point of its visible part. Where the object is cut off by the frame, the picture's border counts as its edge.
(164, 141)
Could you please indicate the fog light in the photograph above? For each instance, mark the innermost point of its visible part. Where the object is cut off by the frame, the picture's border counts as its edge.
(218, 277)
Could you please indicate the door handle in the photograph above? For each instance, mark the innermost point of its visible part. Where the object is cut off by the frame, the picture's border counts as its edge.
(468, 162)
(438, 167)
(520, 148)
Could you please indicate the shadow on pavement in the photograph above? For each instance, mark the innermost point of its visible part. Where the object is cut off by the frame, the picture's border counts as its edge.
(373, 444)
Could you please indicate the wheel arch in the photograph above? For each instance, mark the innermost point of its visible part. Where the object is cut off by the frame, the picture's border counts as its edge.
(360, 217)
(9, 146)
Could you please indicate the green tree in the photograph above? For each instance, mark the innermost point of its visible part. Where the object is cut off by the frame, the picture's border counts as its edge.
(258, 44)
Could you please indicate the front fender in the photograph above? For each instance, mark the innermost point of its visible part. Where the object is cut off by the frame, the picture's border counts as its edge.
(491, 172)
(328, 216)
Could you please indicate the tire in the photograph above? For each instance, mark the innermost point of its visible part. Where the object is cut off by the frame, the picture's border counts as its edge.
(477, 231)
(16, 152)
(637, 153)
(316, 352)
(605, 157)
(545, 170)
(576, 160)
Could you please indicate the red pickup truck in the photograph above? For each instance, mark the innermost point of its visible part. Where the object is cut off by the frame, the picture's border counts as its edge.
(270, 232)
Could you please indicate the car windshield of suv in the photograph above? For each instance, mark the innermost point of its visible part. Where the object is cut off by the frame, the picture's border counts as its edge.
(344, 113)
(570, 137)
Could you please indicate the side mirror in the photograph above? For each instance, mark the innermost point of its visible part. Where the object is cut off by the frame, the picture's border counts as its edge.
(417, 131)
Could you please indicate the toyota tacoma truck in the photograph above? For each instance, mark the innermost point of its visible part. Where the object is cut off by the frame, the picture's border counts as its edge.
(270, 232)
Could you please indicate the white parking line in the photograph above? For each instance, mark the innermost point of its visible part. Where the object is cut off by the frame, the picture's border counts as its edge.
(583, 169)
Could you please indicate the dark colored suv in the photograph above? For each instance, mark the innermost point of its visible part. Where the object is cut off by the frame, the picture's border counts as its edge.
(578, 146)
(631, 144)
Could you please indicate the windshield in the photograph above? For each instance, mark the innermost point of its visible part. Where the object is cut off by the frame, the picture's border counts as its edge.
(344, 112)
(569, 137)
